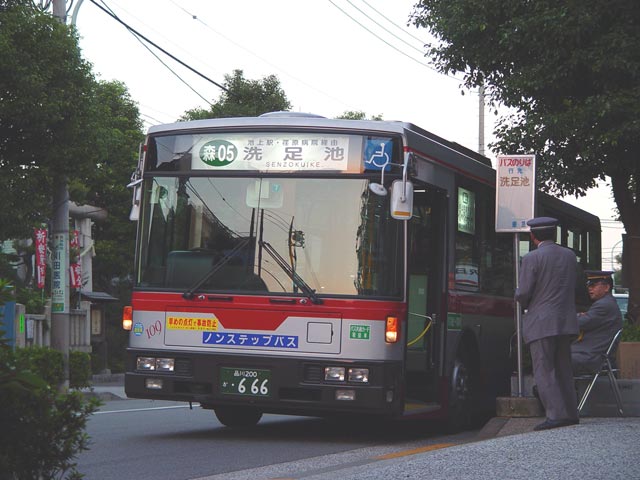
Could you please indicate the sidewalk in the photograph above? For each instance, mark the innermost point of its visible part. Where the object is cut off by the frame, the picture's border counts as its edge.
(506, 448)
(107, 387)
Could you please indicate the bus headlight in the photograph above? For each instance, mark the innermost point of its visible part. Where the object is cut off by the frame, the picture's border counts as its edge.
(165, 364)
(359, 375)
(158, 364)
(145, 363)
(334, 374)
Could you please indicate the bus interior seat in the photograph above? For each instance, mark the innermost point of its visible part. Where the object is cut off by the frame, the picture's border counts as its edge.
(184, 268)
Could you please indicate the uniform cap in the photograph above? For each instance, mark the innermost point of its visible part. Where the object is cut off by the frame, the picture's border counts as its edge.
(542, 223)
(596, 276)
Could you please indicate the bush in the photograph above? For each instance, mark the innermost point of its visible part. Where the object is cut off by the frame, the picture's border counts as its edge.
(47, 364)
(630, 333)
(79, 369)
(41, 431)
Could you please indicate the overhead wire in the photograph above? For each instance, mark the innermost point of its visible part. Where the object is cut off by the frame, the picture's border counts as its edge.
(173, 57)
(383, 27)
(198, 19)
(158, 58)
(393, 23)
(390, 44)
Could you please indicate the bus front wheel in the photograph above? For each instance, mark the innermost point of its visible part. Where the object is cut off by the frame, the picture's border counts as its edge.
(237, 416)
(461, 395)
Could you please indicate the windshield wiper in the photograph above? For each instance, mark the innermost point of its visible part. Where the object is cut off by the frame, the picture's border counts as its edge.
(297, 280)
(218, 265)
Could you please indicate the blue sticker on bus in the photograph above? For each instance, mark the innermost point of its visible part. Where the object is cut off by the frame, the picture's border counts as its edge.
(138, 328)
(377, 154)
(249, 340)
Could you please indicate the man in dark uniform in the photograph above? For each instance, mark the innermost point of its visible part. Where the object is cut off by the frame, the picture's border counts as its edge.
(546, 290)
(597, 326)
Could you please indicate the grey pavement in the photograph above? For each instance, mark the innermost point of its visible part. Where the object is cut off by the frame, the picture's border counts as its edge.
(600, 447)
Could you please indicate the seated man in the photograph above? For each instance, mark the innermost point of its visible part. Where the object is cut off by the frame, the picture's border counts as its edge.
(597, 326)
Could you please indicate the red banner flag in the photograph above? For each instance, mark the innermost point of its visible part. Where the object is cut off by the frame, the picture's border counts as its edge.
(41, 255)
(75, 275)
(75, 271)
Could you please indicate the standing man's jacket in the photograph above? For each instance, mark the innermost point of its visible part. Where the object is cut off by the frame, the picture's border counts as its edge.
(546, 290)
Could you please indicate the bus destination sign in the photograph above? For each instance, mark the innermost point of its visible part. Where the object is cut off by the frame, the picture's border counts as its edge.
(275, 152)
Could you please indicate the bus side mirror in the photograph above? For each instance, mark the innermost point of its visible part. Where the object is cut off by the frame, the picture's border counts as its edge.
(401, 200)
(134, 215)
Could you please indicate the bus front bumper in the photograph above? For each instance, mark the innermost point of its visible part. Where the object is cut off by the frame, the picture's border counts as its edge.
(281, 385)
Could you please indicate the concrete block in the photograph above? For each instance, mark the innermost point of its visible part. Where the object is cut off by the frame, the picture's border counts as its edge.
(519, 407)
(628, 360)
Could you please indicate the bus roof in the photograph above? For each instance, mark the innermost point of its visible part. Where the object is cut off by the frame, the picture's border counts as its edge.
(309, 120)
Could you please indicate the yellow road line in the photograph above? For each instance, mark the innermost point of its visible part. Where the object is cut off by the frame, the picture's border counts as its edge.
(405, 453)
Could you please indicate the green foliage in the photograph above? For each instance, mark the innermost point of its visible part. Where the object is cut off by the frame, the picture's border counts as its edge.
(47, 364)
(46, 119)
(43, 361)
(42, 431)
(570, 72)
(33, 299)
(244, 98)
(630, 333)
(79, 369)
(358, 115)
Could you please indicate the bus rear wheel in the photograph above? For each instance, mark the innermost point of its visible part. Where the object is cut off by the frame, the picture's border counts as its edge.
(237, 416)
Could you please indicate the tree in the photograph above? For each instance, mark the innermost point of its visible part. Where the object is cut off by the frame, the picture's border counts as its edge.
(571, 72)
(45, 113)
(117, 133)
(244, 98)
(56, 119)
(358, 115)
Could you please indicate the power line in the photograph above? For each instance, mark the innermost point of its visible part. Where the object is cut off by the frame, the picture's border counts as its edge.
(391, 45)
(198, 19)
(394, 24)
(131, 29)
(160, 60)
(383, 27)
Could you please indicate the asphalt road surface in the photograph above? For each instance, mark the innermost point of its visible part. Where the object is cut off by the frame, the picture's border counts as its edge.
(141, 439)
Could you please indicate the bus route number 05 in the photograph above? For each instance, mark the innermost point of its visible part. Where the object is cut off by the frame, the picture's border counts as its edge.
(240, 381)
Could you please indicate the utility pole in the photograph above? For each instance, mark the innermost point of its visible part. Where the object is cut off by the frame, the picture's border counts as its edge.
(481, 120)
(60, 331)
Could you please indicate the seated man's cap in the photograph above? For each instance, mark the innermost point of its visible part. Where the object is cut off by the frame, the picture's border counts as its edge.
(542, 223)
(596, 276)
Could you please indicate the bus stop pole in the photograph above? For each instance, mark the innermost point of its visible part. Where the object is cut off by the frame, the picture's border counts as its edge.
(516, 262)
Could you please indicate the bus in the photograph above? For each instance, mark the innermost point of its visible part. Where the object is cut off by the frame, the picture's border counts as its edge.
(294, 264)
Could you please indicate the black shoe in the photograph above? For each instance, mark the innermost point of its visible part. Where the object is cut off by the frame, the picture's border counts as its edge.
(549, 424)
(534, 390)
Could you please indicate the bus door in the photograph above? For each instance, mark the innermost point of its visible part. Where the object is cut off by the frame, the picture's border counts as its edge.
(426, 264)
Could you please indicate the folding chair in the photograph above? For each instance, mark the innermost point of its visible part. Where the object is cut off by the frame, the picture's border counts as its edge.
(607, 369)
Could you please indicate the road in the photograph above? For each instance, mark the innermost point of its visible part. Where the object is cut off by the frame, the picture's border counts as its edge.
(140, 439)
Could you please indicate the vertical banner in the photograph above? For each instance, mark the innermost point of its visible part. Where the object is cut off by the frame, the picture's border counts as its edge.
(40, 235)
(515, 192)
(59, 274)
(75, 271)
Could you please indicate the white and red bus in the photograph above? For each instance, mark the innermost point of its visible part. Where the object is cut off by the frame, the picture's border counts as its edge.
(301, 265)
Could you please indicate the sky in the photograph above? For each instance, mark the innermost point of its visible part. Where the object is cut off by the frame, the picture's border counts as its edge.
(330, 56)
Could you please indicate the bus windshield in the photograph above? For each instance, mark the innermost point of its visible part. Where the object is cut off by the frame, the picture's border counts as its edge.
(307, 236)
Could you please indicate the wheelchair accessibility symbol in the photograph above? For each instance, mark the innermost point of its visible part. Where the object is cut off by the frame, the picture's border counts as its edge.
(377, 154)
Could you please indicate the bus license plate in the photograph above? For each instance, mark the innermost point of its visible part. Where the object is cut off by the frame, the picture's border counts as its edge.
(244, 381)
